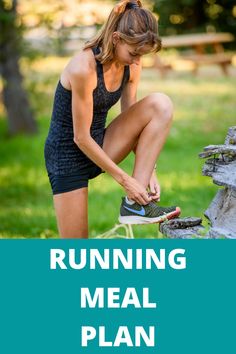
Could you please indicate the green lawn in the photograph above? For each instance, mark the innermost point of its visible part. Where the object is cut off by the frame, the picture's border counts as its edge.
(204, 109)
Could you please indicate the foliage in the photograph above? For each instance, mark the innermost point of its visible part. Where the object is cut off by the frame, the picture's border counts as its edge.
(50, 24)
(181, 16)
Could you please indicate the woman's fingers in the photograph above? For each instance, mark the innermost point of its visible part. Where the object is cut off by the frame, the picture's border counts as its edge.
(152, 189)
(155, 191)
(141, 199)
(155, 198)
(137, 192)
(158, 189)
(145, 198)
(159, 192)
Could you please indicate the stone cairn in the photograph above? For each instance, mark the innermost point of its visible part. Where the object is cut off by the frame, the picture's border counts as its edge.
(221, 166)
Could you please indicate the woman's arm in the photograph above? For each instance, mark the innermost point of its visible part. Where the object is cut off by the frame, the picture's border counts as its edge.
(82, 84)
(129, 93)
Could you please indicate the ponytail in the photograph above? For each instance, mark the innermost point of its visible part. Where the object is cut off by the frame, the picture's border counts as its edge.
(126, 4)
(135, 26)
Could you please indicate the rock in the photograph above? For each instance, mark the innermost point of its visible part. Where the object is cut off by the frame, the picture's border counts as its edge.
(222, 210)
(222, 214)
(182, 223)
(223, 173)
(231, 136)
(219, 233)
(183, 228)
(228, 150)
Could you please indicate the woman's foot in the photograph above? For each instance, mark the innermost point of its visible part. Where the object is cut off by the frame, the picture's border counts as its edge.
(134, 213)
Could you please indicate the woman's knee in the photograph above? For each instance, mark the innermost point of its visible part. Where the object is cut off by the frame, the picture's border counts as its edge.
(161, 106)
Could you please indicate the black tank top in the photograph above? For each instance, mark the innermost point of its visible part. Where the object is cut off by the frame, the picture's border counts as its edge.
(62, 155)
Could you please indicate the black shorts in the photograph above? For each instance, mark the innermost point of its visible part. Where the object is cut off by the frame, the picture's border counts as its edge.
(68, 183)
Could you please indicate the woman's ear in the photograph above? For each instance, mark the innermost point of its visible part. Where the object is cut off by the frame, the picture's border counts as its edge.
(115, 38)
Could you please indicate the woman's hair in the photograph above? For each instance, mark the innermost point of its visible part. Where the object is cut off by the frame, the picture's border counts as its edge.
(134, 25)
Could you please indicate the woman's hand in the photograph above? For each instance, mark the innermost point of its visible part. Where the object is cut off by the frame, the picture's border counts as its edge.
(135, 191)
(154, 188)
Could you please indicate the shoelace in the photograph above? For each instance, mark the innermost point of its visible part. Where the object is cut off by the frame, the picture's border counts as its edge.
(154, 209)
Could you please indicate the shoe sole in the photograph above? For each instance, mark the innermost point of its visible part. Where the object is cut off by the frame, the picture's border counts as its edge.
(137, 220)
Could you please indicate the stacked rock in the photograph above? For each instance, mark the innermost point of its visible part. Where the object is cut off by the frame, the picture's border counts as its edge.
(185, 228)
(221, 166)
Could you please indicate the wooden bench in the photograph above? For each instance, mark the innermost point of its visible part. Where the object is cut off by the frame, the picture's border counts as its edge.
(199, 44)
(197, 40)
(222, 59)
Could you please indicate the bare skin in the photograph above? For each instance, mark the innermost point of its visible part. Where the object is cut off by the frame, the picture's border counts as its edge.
(141, 126)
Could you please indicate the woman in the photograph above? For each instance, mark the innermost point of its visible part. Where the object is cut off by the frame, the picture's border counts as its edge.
(78, 146)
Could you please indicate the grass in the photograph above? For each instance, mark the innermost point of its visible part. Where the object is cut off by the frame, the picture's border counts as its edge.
(204, 109)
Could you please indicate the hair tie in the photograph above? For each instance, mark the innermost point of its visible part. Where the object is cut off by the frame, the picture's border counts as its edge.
(124, 5)
(132, 5)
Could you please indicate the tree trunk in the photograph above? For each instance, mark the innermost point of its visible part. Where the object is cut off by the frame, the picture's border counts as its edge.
(15, 99)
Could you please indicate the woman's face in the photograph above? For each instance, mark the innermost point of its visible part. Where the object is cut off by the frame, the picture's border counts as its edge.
(127, 54)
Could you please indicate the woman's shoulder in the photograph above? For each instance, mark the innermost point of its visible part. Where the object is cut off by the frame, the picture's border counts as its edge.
(82, 66)
(83, 61)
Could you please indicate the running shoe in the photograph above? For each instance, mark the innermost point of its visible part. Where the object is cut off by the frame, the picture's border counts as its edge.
(134, 213)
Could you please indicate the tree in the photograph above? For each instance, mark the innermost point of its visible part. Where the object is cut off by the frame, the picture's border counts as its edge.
(20, 117)
(184, 16)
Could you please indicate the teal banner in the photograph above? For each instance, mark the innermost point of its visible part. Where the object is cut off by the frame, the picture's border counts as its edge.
(103, 296)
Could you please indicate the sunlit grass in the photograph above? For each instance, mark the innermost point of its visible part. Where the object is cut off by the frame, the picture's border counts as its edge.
(204, 109)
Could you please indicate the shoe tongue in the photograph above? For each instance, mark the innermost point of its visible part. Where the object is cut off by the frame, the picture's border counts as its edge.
(128, 201)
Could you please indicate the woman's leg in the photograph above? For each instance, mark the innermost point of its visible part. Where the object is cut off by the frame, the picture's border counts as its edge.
(144, 126)
(72, 213)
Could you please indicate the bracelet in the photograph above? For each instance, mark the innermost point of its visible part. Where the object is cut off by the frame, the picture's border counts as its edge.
(155, 166)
